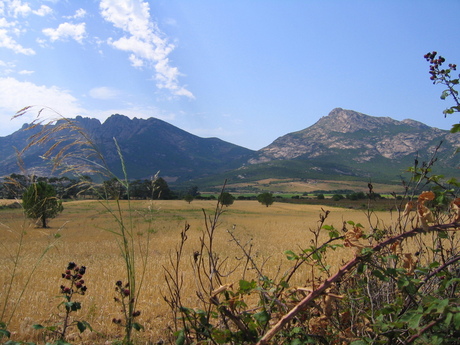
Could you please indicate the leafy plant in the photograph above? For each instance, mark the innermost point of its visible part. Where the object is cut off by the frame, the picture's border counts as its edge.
(441, 75)
(76, 286)
(73, 152)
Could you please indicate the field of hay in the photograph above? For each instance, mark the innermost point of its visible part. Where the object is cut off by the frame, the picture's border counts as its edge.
(87, 238)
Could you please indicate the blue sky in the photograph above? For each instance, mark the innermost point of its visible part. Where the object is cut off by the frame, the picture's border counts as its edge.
(245, 71)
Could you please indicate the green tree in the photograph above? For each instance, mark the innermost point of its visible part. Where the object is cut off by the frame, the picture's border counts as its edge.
(337, 197)
(265, 199)
(40, 202)
(189, 198)
(161, 190)
(226, 199)
(114, 189)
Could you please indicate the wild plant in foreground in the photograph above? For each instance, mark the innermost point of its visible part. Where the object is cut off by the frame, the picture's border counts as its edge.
(8, 304)
(72, 151)
(127, 301)
(75, 285)
(401, 286)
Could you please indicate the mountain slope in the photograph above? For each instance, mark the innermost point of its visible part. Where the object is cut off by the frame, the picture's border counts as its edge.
(350, 145)
(342, 145)
(147, 146)
(366, 136)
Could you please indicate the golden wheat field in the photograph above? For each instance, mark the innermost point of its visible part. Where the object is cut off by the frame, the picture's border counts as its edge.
(87, 237)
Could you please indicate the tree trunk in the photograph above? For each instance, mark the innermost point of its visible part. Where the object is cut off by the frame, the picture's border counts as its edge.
(43, 219)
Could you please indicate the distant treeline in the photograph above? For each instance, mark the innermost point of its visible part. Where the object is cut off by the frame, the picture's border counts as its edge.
(13, 187)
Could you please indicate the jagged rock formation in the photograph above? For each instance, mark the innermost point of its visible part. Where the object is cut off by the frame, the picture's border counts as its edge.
(345, 131)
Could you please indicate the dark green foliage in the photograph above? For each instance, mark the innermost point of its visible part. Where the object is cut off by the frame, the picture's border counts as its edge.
(265, 199)
(189, 198)
(156, 189)
(337, 197)
(40, 202)
(356, 196)
(226, 199)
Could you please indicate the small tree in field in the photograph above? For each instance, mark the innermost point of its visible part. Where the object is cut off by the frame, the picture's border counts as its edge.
(265, 199)
(189, 198)
(226, 199)
(40, 202)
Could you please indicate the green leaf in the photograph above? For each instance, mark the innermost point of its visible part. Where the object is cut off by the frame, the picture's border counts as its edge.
(81, 325)
(180, 340)
(290, 255)
(379, 274)
(455, 128)
(4, 333)
(414, 321)
(246, 287)
(456, 320)
(138, 326)
(72, 306)
(37, 326)
(359, 342)
(262, 317)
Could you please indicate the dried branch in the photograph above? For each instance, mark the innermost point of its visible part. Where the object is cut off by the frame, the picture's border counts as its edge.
(342, 271)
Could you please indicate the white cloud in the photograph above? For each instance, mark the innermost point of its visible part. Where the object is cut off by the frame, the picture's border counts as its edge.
(43, 11)
(144, 40)
(18, 8)
(26, 72)
(6, 68)
(80, 13)
(66, 30)
(104, 93)
(135, 61)
(15, 95)
(6, 41)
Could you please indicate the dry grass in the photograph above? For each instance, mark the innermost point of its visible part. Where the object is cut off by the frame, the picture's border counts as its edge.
(309, 186)
(86, 241)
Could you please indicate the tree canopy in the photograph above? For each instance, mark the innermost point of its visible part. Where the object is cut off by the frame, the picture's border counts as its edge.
(226, 199)
(40, 202)
(266, 198)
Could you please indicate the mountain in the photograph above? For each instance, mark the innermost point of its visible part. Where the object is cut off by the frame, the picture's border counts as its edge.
(147, 146)
(348, 145)
(367, 137)
(345, 144)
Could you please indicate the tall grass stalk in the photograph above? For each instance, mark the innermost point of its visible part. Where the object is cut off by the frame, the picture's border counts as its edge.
(72, 151)
(9, 305)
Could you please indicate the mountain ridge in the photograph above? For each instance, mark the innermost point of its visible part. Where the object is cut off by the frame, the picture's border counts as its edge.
(347, 129)
(344, 143)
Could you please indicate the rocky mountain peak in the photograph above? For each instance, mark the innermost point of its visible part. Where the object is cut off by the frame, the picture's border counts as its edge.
(349, 121)
(358, 136)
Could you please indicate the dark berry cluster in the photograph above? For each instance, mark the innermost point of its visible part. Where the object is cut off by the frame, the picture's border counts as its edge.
(125, 299)
(436, 69)
(123, 290)
(75, 274)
